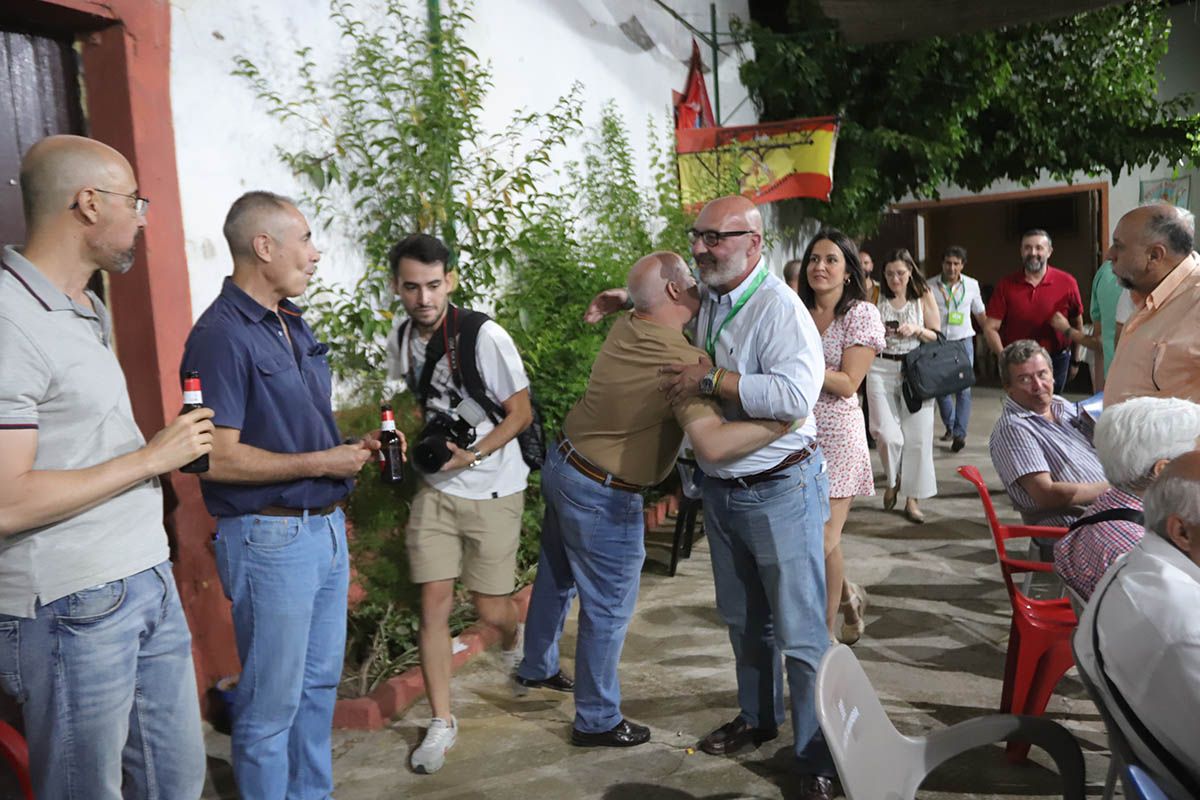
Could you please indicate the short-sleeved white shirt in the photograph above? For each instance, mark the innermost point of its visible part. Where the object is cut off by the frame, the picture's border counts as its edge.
(501, 473)
(1125, 307)
(963, 297)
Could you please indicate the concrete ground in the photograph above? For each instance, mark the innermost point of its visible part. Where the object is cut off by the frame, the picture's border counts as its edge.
(934, 650)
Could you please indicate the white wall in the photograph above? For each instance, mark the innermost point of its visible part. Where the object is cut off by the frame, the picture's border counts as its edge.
(1180, 70)
(537, 48)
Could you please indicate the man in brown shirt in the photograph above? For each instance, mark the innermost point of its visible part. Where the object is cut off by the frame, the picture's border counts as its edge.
(1158, 354)
(621, 437)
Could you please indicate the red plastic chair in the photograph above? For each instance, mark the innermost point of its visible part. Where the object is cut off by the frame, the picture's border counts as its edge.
(16, 753)
(1039, 641)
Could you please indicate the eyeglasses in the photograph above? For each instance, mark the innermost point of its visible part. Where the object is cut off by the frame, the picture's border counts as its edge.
(713, 238)
(139, 203)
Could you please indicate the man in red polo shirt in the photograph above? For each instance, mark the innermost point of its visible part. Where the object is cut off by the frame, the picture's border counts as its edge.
(1023, 303)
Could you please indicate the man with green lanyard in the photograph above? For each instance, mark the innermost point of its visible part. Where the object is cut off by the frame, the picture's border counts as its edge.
(764, 513)
(958, 299)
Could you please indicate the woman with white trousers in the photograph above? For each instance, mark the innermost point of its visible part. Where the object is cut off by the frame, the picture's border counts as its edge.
(904, 439)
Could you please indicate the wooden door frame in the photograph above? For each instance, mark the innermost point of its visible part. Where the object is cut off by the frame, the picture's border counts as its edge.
(1028, 194)
(125, 50)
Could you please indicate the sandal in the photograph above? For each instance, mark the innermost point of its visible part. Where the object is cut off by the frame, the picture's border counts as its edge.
(853, 631)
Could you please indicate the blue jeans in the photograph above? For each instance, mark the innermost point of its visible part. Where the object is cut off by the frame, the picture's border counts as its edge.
(287, 578)
(108, 692)
(593, 542)
(955, 409)
(768, 559)
(1061, 362)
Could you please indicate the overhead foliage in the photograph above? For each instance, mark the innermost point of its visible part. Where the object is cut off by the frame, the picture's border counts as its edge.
(1072, 95)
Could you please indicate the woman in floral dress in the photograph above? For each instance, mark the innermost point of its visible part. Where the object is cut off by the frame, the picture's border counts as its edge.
(829, 279)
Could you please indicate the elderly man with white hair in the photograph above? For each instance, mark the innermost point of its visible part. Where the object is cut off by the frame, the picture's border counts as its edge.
(1134, 441)
(1140, 635)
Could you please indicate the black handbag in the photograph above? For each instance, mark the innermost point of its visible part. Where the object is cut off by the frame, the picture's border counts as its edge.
(934, 369)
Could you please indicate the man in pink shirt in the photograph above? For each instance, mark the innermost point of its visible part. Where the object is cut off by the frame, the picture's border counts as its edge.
(1159, 351)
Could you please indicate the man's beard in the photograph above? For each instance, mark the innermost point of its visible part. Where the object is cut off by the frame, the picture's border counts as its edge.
(1034, 265)
(716, 276)
(124, 261)
(1125, 282)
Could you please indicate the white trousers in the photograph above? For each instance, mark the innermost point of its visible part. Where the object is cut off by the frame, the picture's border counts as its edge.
(904, 440)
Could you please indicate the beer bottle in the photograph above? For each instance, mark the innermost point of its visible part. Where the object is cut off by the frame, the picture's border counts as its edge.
(192, 400)
(391, 461)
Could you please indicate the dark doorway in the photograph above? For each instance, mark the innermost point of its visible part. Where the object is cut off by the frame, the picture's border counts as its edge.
(898, 229)
(39, 96)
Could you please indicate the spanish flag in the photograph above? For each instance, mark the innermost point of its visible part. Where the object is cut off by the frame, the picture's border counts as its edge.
(766, 162)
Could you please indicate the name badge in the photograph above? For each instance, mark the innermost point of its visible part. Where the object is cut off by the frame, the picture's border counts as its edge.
(955, 318)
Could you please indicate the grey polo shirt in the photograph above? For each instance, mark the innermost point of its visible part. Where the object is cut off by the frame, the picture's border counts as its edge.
(59, 376)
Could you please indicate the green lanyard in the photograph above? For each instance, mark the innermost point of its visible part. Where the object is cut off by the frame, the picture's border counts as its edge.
(949, 298)
(710, 343)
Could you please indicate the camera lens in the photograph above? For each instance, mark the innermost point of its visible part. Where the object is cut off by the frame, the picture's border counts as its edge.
(430, 454)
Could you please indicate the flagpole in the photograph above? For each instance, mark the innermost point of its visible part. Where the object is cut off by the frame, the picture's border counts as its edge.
(712, 11)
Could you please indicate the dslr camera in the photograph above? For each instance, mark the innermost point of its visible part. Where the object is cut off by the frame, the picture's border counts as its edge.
(457, 426)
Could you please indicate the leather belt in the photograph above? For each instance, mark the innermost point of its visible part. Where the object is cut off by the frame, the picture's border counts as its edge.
(280, 511)
(892, 356)
(589, 470)
(772, 474)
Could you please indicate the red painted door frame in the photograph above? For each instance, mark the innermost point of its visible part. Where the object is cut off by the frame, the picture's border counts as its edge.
(126, 65)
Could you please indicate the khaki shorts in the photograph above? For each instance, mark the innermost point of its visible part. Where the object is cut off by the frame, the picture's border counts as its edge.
(451, 537)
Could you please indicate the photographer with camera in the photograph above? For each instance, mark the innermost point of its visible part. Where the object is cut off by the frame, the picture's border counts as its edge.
(465, 520)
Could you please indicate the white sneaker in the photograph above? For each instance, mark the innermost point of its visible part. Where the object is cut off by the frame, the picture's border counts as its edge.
(440, 737)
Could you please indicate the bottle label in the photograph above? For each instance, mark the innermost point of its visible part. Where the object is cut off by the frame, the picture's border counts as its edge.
(387, 425)
(193, 398)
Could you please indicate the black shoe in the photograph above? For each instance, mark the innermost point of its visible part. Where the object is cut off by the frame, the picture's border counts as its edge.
(559, 682)
(816, 787)
(958, 444)
(947, 436)
(626, 734)
(735, 736)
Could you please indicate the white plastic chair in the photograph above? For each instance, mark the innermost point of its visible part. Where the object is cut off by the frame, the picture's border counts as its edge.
(877, 762)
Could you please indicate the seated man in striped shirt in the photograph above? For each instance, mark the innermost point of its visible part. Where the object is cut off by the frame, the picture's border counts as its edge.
(1048, 466)
(1134, 441)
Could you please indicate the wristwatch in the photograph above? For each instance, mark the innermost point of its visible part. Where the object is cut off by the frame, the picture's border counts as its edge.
(478, 458)
(708, 384)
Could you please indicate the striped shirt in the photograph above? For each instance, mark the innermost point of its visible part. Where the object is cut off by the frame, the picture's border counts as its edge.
(1025, 443)
(1082, 556)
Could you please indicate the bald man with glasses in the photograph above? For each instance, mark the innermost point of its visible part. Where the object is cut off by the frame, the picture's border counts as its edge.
(93, 640)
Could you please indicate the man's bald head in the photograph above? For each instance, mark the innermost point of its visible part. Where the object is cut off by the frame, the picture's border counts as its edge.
(733, 225)
(726, 212)
(1149, 242)
(649, 276)
(252, 214)
(55, 169)
(1165, 224)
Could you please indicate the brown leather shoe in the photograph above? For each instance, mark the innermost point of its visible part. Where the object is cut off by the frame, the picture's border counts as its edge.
(816, 787)
(735, 736)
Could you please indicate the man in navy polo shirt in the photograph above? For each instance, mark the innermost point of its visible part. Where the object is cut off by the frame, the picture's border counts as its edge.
(1024, 303)
(276, 483)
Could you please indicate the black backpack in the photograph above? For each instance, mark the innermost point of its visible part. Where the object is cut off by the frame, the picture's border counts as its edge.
(461, 326)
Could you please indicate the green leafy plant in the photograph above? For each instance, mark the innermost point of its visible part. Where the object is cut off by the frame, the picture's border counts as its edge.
(393, 143)
(1071, 95)
(584, 243)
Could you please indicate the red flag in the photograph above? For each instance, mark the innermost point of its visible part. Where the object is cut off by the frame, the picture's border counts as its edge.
(692, 109)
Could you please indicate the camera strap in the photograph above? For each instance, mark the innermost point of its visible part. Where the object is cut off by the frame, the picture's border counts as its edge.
(450, 344)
